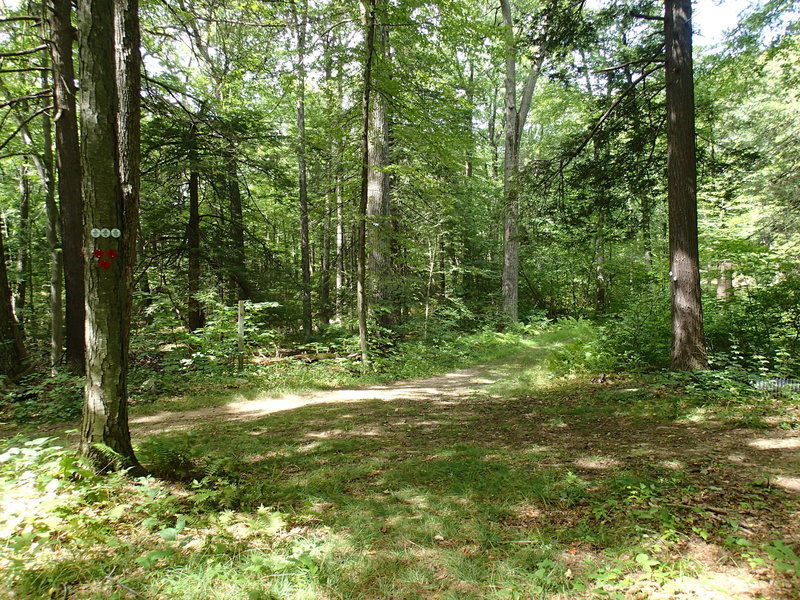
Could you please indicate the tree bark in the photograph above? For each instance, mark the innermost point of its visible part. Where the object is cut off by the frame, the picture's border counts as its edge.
(688, 344)
(379, 232)
(52, 233)
(110, 113)
(239, 276)
(362, 296)
(12, 349)
(305, 244)
(62, 37)
(510, 168)
(514, 126)
(23, 245)
(196, 318)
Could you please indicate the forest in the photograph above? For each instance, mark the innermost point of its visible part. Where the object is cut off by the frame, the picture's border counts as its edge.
(399, 299)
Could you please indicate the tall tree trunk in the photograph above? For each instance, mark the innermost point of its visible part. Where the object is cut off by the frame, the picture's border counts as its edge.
(52, 231)
(62, 36)
(379, 233)
(12, 350)
(514, 125)
(510, 168)
(109, 52)
(196, 318)
(23, 245)
(239, 276)
(688, 344)
(362, 295)
(305, 250)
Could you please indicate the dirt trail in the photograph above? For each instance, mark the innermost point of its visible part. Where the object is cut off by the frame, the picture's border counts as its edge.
(458, 384)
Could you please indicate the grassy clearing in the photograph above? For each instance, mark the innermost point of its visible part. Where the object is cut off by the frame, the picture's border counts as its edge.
(538, 487)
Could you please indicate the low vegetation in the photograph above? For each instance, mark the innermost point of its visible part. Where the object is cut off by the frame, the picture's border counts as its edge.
(564, 485)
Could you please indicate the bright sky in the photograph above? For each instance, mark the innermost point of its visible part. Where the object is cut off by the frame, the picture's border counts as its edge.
(713, 18)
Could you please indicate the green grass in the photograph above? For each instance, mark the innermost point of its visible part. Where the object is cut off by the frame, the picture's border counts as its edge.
(538, 487)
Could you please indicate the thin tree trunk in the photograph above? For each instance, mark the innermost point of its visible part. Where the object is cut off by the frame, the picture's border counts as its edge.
(239, 276)
(23, 243)
(600, 261)
(515, 125)
(379, 233)
(196, 318)
(62, 37)
(52, 233)
(12, 349)
(725, 281)
(688, 344)
(362, 295)
(305, 250)
(644, 224)
(510, 167)
(109, 51)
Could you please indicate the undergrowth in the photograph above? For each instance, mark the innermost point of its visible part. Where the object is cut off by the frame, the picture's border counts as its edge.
(515, 493)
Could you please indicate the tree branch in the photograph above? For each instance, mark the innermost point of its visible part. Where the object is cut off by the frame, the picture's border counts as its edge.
(42, 94)
(23, 52)
(644, 61)
(605, 116)
(22, 125)
(639, 15)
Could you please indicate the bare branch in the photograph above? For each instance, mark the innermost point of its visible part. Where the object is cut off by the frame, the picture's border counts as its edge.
(644, 61)
(23, 124)
(639, 15)
(28, 70)
(21, 18)
(605, 116)
(23, 52)
(42, 94)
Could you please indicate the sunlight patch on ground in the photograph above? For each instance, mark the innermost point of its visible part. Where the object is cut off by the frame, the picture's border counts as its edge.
(776, 443)
(791, 484)
(675, 465)
(597, 463)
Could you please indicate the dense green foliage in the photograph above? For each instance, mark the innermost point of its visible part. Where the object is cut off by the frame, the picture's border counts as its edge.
(525, 489)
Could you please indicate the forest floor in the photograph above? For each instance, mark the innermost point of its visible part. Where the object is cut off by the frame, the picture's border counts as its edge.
(498, 481)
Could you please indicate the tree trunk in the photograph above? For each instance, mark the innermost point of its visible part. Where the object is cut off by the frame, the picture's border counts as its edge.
(725, 281)
(362, 296)
(196, 318)
(600, 261)
(52, 232)
(510, 167)
(23, 245)
(62, 37)
(305, 250)
(515, 125)
(109, 52)
(379, 233)
(239, 277)
(12, 350)
(688, 345)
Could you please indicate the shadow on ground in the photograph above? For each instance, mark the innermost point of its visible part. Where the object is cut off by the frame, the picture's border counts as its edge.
(444, 488)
